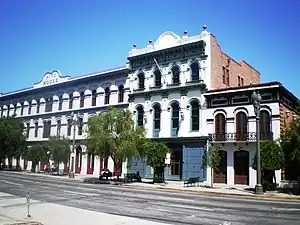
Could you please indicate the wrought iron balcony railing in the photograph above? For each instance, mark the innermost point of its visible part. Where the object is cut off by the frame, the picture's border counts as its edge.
(239, 137)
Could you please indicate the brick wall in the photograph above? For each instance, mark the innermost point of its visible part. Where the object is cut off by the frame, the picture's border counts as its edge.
(284, 120)
(242, 69)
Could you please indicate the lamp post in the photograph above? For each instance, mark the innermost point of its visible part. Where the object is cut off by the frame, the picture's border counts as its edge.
(256, 99)
(74, 123)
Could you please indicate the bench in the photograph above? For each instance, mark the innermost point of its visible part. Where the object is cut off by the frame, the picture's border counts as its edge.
(192, 181)
(130, 177)
(105, 174)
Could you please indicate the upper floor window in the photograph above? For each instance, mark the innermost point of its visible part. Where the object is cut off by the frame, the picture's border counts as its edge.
(27, 130)
(60, 103)
(36, 129)
(94, 97)
(195, 71)
(1, 111)
(106, 95)
(265, 124)
(239, 81)
(220, 127)
(38, 106)
(70, 101)
(175, 118)
(141, 78)
(22, 108)
(156, 118)
(140, 115)
(81, 99)
(242, 81)
(241, 126)
(29, 107)
(195, 115)
(58, 128)
(80, 126)
(47, 129)
(15, 109)
(157, 78)
(225, 75)
(175, 75)
(69, 127)
(121, 94)
(49, 104)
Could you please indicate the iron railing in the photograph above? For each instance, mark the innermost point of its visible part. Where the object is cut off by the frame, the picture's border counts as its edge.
(239, 137)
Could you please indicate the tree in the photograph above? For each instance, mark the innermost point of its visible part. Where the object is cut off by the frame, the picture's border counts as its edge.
(113, 133)
(272, 158)
(37, 153)
(212, 159)
(59, 148)
(155, 153)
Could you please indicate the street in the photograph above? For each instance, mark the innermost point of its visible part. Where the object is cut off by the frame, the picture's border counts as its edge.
(163, 206)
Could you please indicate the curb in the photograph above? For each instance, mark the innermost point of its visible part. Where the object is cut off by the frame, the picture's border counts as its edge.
(230, 194)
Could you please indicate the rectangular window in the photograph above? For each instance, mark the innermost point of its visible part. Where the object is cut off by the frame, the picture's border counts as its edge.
(239, 81)
(48, 107)
(224, 75)
(47, 129)
(27, 130)
(69, 127)
(242, 81)
(36, 129)
(227, 76)
(80, 126)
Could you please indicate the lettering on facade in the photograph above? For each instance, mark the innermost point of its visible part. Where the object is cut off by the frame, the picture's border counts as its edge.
(51, 78)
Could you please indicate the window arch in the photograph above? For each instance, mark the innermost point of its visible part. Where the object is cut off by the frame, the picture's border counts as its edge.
(121, 94)
(94, 97)
(107, 95)
(140, 115)
(175, 118)
(195, 115)
(194, 71)
(157, 77)
(220, 127)
(141, 78)
(156, 117)
(175, 75)
(81, 99)
(241, 126)
(265, 124)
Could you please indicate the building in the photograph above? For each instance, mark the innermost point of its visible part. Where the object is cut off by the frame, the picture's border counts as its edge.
(162, 84)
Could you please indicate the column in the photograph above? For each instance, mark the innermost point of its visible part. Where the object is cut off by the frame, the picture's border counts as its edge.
(230, 167)
(84, 160)
(96, 165)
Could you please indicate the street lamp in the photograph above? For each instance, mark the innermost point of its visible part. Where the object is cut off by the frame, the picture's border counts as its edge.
(74, 123)
(256, 99)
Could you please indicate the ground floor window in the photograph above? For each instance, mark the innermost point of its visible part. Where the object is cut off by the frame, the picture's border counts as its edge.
(175, 166)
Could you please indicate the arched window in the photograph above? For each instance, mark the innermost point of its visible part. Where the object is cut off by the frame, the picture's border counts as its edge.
(195, 115)
(241, 126)
(157, 77)
(220, 127)
(141, 78)
(194, 71)
(140, 115)
(156, 120)
(175, 119)
(38, 106)
(15, 109)
(265, 125)
(48, 103)
(121, 94)
(29, 107)
(107, 95)
(94, 98)
(60, 103)
(70, 101)
(22, 108)
(58, 128)
(175, 75)
(81, 99)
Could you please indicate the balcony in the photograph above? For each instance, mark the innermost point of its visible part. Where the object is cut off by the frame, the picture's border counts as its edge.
(156, 133)
(174, 132)
(239, 137)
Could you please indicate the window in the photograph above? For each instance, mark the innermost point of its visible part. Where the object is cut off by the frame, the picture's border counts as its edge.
(27, 130)
(70, 101)
(15, 109)
(94, 97)
(175, 119)
(141, 78)
(107, 95)
(29, 108)
(176, 75)
(58, 128)
(224, 74)
(121, 94)
(22, 108)
(194, 71)
(242, 81)
(265, 125)
(8, 109)
(241, 126)
(81, 99)
(47, 129)
(69, 127)
(157, 78)
(156, 118)
(48, 105)
(36, 129)
(60, 103)
(239, 81)
(1, 111)
(38, 107)
(220, 127)
(80, 126)
(195, 115)
(140, 115)
(227, 76)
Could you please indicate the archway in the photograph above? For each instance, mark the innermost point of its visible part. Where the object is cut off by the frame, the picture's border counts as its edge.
(78, 159)
(241, 167)
(220, 173)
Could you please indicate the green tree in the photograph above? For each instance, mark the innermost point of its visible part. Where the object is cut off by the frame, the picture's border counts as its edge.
(113, 133)
(155, 153)
(59, 148)
(37, 153)
(212, 159)
(272, 158)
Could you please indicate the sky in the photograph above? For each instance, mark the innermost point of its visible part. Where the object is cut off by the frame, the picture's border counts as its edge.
(80, 37)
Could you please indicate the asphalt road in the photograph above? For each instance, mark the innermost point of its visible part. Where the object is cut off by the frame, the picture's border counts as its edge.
(152, 204)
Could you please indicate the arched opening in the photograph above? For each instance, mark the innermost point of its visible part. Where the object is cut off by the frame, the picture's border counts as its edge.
(265, 125)
(175, 119)
(176, 75)
(107, 95)
(220, 127)
(70, 101)
(195, 115)
(94, 97)
(241, 167)
(157, 75)
(141, 78)
(81, 99)
(194, 71)
(241, 126)
(78, 159)
(140, 115)
(156, 120)
(121, 94)
(220, 173)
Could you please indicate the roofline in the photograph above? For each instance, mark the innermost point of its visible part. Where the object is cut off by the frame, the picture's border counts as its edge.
(76, 78)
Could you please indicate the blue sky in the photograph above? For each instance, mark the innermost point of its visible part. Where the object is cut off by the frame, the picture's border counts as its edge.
(79, 37)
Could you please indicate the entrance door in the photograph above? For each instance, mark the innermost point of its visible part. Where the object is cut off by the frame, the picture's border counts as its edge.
(241, 167)
(78, 160)
(220, 173)
(192, 162)
(90, 163)
(25, 163)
